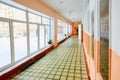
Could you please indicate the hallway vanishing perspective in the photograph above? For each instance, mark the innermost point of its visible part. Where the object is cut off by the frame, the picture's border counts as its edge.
(66, 62)
(59, 40)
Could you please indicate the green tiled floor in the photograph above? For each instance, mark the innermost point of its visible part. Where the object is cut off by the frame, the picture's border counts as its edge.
(66, 62)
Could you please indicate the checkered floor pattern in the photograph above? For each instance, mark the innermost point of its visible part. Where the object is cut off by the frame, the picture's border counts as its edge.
(66, 62)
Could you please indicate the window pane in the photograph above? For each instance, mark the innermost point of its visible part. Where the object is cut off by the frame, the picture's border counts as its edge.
(62, 30)
(33, 38)
(45, 20)
(12, 13)
(65, 29)
(42, 37)
(5, 50)
(34, 18)
(70, 29)
(20, 40)
(47, 34)
(60, 34)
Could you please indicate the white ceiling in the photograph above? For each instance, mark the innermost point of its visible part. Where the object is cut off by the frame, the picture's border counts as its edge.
(73, 10)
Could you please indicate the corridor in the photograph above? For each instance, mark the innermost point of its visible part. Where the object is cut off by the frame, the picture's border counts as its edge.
(66, 62)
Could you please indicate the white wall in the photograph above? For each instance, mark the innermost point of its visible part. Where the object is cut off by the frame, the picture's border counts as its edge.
(87, 22)
(115, 25)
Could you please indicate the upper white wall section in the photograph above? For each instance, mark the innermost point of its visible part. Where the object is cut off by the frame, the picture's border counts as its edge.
(85, 23)
(92, 10)
(115, 25)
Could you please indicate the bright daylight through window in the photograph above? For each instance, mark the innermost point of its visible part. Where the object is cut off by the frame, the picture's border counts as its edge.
(21, 34)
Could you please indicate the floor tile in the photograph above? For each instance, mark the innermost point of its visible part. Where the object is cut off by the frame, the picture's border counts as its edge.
(63, 78)
(66, 62)
(70, 78)
(50, 76)
(56, 77)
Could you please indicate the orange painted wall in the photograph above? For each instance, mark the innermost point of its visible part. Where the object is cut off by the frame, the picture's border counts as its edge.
(55, 35)
(89, 60)
(75, 28)
(93, 64)
(115, 65)
(85, 40)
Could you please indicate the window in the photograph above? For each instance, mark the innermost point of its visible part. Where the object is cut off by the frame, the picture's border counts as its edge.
(33, 31)
(20, 40)
(42, 36)
(34, 18)
(45, 20)
(62, 30)
(47, 34)
(70, 29)
(12, 13)
(65, 28)
(60, 34)
(5, 48)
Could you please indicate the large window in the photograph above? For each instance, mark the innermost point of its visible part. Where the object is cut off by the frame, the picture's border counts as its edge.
(42, 36)
(22, 33)
(60, 34)
(5, 49)
(45, 20)
(20, 40)
(33, 37)
(47, 31)
(11, 12)
(34, 18)
(62, 30)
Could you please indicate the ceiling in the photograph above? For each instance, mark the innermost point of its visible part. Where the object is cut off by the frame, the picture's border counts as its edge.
(73, 10)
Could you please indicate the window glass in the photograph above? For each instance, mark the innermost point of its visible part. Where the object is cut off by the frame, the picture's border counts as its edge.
(20, 40)
(34, 18)
(70, 29)
(65, 29)
(62, 30)
(12, 13)
(45, 20)
(17, 40)
(5, 49)
(33, 37)
(60, 34)
(42, 37)
(47, 35)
